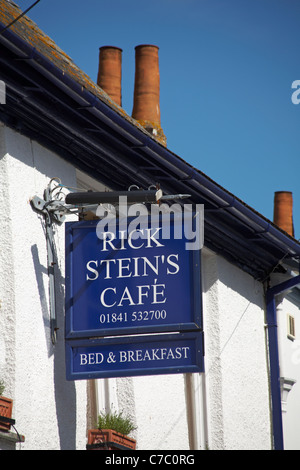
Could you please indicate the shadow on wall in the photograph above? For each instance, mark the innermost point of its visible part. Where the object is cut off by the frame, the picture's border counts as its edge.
(65, 394)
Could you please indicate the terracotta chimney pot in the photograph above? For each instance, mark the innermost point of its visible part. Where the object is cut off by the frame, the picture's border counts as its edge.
(146, 106)
(110, 72)
(283, 211)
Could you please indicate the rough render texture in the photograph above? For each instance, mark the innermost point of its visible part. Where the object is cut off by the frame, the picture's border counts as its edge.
(236, 364)
(45, 405)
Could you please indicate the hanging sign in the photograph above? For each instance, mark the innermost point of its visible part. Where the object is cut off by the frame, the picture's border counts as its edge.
(134, 355)
(131, 280)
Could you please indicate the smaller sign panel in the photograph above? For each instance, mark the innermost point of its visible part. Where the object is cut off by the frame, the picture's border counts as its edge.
(134, 356)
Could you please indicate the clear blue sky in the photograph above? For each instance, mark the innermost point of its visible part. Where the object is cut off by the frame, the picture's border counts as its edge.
(226, 71)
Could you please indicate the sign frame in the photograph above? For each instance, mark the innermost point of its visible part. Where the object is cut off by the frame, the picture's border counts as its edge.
(128, 343)
(194, 257)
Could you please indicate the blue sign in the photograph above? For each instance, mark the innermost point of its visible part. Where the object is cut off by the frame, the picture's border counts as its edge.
(122, 285)
(135, 355)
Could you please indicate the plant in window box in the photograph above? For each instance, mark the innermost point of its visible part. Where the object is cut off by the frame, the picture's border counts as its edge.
(112, 433)
(6, 405)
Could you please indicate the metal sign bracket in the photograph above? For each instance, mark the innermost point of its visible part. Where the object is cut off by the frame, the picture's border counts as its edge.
(54, 207)
(53, 211)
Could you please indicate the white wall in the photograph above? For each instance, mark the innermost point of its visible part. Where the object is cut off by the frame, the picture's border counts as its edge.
(236, 366)
(290, 368)
(49, 411)
(232, 411)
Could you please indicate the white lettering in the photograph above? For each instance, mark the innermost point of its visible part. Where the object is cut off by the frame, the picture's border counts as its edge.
(157, 293)
(170, 354)
(99, 358)
(123, 356)
(107, 262)
(134, 236)
(151, 237)
(94, 271)
(185, 349)
(103, 294)
(91, 359)
(126, 296)
(83, 359)
(172, 263)
(147, 262)
(109, 241)
(131, 267)
(142, 294)
(109, 237)
(158, 354)
(123, 267)
(116, 460)
(136, 270)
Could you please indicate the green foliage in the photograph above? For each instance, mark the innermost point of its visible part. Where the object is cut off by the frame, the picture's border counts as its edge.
(2, 387)
(115, 421)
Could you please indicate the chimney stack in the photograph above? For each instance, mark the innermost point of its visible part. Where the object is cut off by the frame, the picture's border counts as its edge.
(283, 211)
(110, 72)
(146, 106)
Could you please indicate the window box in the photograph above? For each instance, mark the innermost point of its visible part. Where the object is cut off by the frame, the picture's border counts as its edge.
(108, 439)
(6, 405)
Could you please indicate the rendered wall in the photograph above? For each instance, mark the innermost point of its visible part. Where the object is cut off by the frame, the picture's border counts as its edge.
(290, 369)
(226, 409)
(236, 364)
(49, 411)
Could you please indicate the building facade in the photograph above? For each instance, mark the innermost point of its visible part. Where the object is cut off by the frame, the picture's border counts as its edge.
(61, 132)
